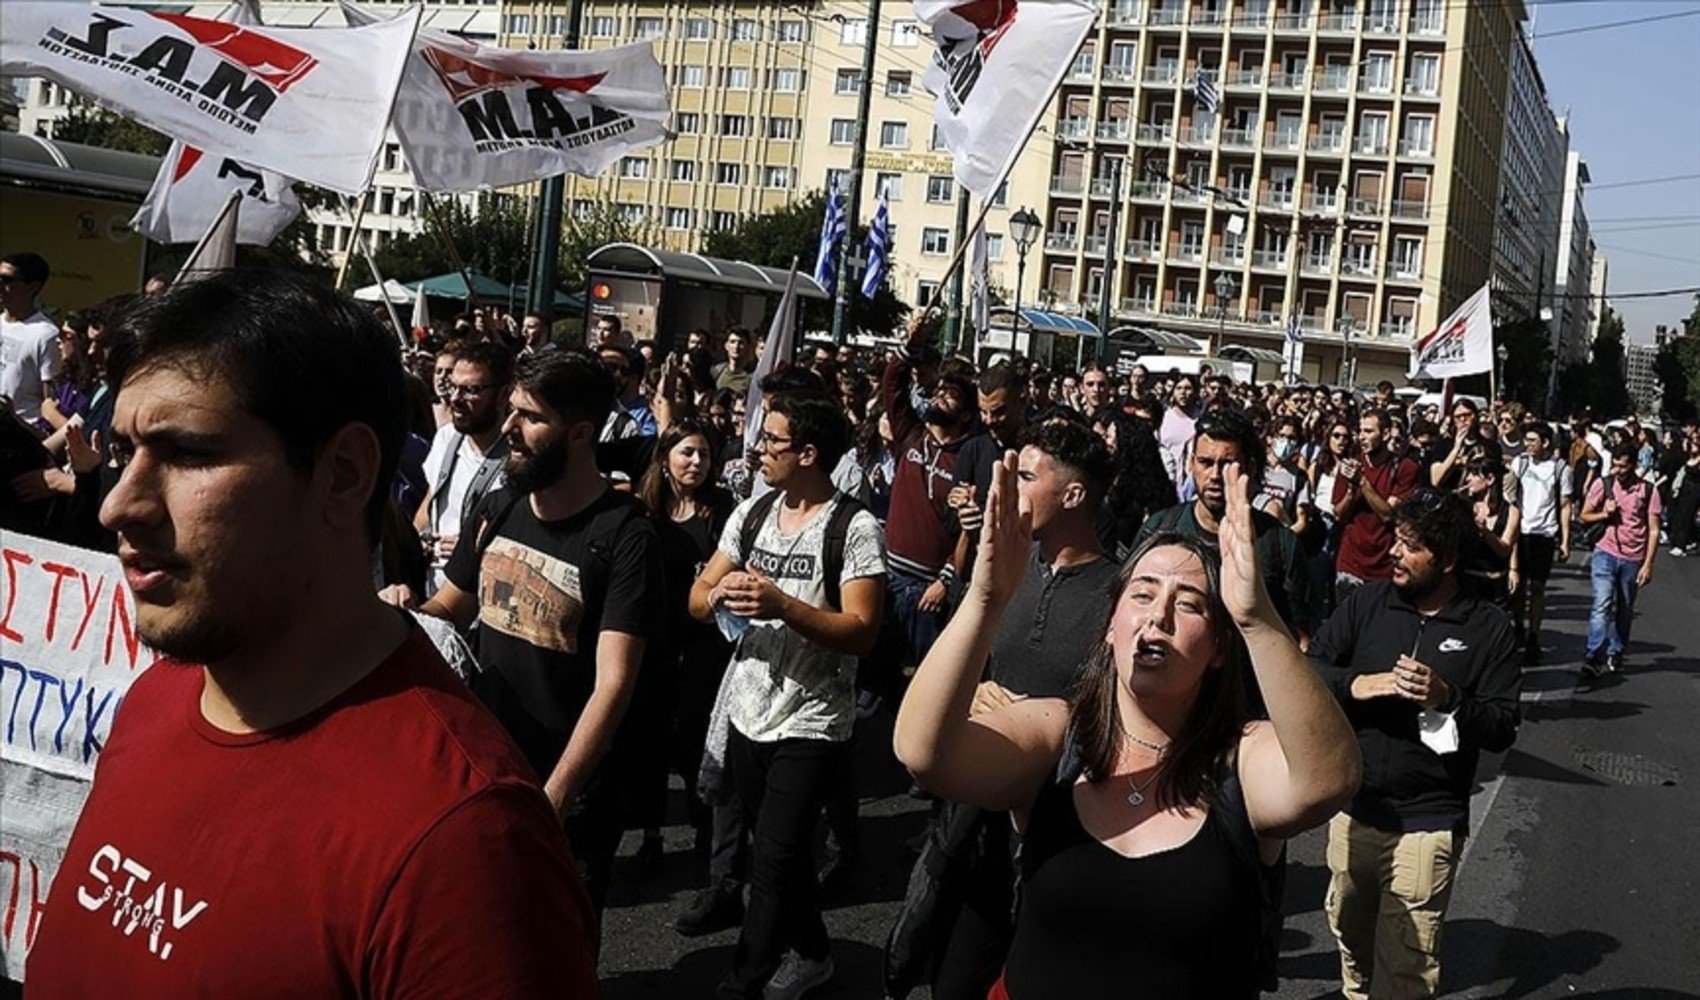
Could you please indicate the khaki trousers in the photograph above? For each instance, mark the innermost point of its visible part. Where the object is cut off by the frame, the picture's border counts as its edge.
(1386, 901)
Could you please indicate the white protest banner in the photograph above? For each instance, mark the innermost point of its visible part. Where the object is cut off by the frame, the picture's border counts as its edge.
(995, 66)
(1463, 345)
(68, 653)
(191, 188)
(473, 116)
(310, 103)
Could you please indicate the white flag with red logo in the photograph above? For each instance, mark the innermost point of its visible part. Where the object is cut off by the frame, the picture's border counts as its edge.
(473, 116)
(1463, 345)
(309, 103)
(995, 65)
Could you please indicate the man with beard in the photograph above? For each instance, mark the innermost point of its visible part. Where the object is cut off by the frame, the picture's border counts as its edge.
(1179, 423)
(1367, 491)
(323, 803)
(1225, 438)
(465, 460)
(920, 528)
(534, 333)
(559, 571)
(1429, 679)
(1004, 409)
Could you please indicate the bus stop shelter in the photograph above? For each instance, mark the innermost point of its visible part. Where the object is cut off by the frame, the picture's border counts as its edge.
(659, 294)
(1052, 340)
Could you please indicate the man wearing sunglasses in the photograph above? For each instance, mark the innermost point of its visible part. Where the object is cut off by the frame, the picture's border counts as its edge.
(29, 341)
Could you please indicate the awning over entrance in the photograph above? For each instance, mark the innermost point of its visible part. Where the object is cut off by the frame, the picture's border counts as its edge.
(714, 271)
(1149, 340)
(1256, 355)
(1037, 321)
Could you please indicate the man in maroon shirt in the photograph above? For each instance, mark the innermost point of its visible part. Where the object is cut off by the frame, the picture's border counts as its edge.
(1366, 492)
(300, 798)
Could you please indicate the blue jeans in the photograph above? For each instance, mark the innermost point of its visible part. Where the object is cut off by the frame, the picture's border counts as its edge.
(919, 629)
(1613, 585)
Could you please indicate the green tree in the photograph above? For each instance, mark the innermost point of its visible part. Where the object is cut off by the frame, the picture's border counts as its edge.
(1678, 369)
(775, 238)
(1608, 386)
(92, 125)
(1528, 360)
(490, 235)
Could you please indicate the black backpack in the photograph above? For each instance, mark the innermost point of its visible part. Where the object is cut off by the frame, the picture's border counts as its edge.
(832, 549)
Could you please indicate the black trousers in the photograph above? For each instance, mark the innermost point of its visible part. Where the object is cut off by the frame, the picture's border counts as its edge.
(781, 787)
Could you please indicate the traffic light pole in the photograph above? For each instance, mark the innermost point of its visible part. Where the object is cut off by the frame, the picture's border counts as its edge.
(553, 199)
(858, 160)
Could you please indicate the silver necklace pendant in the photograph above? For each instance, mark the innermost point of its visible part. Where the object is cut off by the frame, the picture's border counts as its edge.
(1136, 799)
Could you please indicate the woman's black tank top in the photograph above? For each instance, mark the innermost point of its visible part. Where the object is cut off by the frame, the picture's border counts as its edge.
(1092, 923)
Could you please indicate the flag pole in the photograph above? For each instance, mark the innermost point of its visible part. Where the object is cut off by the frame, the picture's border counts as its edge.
(449, 245)
(955, 261)
(383, 293)
(201, 244)
(359, 214)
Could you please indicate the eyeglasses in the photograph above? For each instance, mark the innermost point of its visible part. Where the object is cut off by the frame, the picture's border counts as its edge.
(767, 440)
(456, 391)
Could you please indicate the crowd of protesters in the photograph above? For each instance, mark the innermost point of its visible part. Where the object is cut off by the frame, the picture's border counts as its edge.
(1180, 618)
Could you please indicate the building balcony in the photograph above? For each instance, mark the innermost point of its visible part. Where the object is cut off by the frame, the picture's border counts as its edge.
(1296, 23)
(1317, 264)
(1256, 19)
(1422, 88)
(1374, 88)
(1269, 260)
(1183, 310)
(1324, 203)
(1381, 26)
(1239, 138)
(1208, 19)
(1430, 26)
(1167, 75)
(1095, 245)
(1287, 140)
(1409, 209)
(1114, 130)
(1156, 133)
(1398, 330)
(1369, 145)
(1188, 253)
(1147, 190)
(1416, 149)
(1161, 17)
(1327, 142)
(1241, 195)
(1117, 73)
(1124, 15)
(1198, 135)
(1404, 270)
(1145, 307)
(1358, 267)
(1279, 200)
(1142, 250)
(1337, 24)
(1073, 128)
(1103, 187)
(1062, 242)
(1084, 70)
(1068, 185)
(1288, 81)
(1363, 206)
(1251, 78)
(1228, 256)
(1190, 196)
(1332, 81)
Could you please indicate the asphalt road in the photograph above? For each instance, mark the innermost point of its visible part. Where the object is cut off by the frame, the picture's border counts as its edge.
(1581, 877)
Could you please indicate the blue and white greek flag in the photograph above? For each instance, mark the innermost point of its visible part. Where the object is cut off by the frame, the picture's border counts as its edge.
(1205, 93)
(1295, 330)
(879, 246)
(831, 234)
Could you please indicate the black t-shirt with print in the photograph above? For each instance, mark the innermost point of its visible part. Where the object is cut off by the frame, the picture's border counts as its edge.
(546, 591)
(686, 547)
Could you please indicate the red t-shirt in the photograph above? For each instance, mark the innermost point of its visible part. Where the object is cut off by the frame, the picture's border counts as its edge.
(393, 843)
(1366, 544)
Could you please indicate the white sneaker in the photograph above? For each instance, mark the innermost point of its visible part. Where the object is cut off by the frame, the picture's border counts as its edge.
(796, 976)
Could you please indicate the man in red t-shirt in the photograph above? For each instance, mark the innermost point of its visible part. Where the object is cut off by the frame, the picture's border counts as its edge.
(1366, 492)
(300, 798)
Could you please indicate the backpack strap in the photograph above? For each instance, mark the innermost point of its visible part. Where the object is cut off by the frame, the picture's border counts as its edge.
(836, 540)
(1169, 517)
(753, 520)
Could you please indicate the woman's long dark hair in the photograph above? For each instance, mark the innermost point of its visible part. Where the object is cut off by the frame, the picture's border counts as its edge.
(78, 369)
(1211, 733)
(656, 488)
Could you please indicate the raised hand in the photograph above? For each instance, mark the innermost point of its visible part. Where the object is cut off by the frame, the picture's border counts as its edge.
(1242, 585)
(1005, 540)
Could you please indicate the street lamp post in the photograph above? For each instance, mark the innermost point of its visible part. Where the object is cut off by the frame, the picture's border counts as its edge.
(1024, 230)
(1502, 353)
(1225, 289)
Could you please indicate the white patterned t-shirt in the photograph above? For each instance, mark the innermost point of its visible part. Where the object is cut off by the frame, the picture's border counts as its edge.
(784, 686)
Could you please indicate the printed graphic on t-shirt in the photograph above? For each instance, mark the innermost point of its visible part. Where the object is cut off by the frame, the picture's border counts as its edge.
(783, 565)
(140, 900)
(530, 595)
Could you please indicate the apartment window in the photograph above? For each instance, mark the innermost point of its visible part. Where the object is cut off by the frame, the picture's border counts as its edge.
(790, 31)
(583, 208)
(776, 177)
(735, 126)
(736, 78)
(1428, 17)
(1408, 256)
(680, 218)
(555, 25)
(935, 241)
(894, 135)
(683, 170)
(905, 34)
(687, 123)
(941, 190)
(925, 290)
(1378, 73)
(698, 29)
(837, 178)
(629, 213)
(745, 30)
(787, 81)
(847, 82)
(1425, 75)
(1000, 197)
(517, 24)
(386, 201)
(604, 26)
(729, 173)
(843, 131)
(888, 186)
(1419, 135)
(648, 27)
(936, 141)
(853, 31)
(723, 221)
(782, 128)
(392, 156)
(898, 83)
(634, 168)
(692, 76)
(994, 246)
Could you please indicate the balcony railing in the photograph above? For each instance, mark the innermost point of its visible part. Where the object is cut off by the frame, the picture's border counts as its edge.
(1119, 73)
(1347, 22)
(1068, 185)
(1282, 139)
(1145, 306)
(1156, 133)
(1269, 258)
(1245, 77)
(1370, 145)
(1382, 25)
(1064, 242)
(1114, 130)
(1142, 250)
(1428, 25)
(1251, 19)
(1198, 135)
(1293, 22)
(1190, 195)
(1358, 267)
(1409, 209)
(1313, 263)
(1073, 128)
(1327, 142)
(1328, 203)
(1126, 14)
(1239, 138)
(1185, 310)
(1369, 86)
(1282, 200)
(1419, 149)
(1166, 16)
(1209, 18)
(1095, 245)
(1421, 88)
(1147, 190)
(1405, 270)
(1103, 187)
(1239, 194)
(1287, 81)
(1397, 330)
(1332, 81)
(1363, 206)
(1228, 256)
(1162, 75)
(1188, 253)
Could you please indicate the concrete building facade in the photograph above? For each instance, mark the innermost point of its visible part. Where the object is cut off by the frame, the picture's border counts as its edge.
(1575, 320)
(1531, 181)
